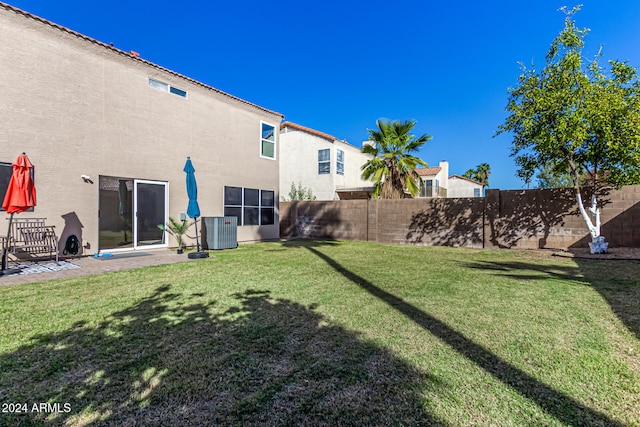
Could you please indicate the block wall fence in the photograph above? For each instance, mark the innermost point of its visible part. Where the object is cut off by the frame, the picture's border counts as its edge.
(524, 219)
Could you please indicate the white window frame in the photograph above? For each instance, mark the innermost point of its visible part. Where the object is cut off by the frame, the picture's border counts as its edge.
(426, 185)
(324, 162)
(339, 170)
(165, 243)
(274, 142)
(166, 87)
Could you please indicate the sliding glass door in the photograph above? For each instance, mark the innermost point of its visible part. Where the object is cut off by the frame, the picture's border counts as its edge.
(150, 200)
(130, 211)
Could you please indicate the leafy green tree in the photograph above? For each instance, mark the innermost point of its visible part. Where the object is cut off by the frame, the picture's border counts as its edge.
(549, 177)
(480, 174)
(300, 193)
(579, 117)
(392, 168)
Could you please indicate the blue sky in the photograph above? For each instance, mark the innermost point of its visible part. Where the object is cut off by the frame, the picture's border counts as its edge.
(339, 65)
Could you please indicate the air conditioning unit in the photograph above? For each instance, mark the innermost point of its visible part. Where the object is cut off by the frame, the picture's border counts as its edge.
(220, 232)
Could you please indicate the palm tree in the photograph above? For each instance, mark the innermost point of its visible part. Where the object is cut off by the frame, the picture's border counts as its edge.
(480, 174)
(392, 167)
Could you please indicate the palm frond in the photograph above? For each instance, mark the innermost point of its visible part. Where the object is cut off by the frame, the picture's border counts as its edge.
(392, 170)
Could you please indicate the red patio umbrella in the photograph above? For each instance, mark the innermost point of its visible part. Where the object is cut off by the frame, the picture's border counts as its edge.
(20, 196)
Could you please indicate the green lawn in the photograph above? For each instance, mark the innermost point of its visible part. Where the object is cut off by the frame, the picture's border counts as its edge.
(329, 333)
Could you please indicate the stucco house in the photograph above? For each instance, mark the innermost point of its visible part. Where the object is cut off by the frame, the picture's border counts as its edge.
(434, 180)
(109, 133)
(460, 186)
(319, 161)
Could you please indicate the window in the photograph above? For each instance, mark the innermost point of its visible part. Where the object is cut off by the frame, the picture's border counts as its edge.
(267, 207)
(267, 141)
(233, 202)
(6, 169)
(340, 162)
(476, 192)
(250, 205)
(179, 92)
(157, 84)
(427, 188)
(5, 176)
(324, 161)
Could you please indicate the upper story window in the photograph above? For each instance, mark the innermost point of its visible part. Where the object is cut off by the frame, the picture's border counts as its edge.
(267, 140)
(427, 188)
(340, 162)
(324, 161)
(165, 87)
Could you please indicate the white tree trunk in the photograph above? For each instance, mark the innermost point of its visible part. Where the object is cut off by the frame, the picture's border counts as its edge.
(598, 244)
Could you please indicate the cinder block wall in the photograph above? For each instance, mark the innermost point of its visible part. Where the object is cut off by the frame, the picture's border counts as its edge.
(336, 219)
(531, 219)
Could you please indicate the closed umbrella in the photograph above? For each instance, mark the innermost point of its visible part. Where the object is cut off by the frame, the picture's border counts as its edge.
(20, 195)
(193, 209)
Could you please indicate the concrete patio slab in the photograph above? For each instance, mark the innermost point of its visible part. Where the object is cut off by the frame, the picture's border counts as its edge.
(86, 266)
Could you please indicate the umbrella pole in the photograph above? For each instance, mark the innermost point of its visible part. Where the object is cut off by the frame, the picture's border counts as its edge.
(197, 240)
(197, 254)
(6, 244)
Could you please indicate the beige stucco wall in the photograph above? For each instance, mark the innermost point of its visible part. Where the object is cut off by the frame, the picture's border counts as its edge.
(77, 107)
(461, 187)
(299, 164)
(354, 158)
(442, 177)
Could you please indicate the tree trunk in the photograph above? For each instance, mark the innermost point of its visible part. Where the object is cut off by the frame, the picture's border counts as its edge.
(597, 244)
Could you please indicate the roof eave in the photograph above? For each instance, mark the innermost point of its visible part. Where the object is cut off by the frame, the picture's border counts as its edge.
(134, 57)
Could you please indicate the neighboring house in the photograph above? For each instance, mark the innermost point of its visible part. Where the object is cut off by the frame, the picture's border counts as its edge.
(109, 134)
(460, 186)
(326, 165)
(434, 180)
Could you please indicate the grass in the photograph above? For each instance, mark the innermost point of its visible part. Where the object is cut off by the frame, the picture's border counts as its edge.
(329, 333)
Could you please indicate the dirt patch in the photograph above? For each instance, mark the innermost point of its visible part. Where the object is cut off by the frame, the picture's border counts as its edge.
(613, 253)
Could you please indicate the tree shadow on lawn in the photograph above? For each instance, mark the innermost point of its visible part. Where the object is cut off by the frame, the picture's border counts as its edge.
(172, 359)
(555, 403)
(616, 280)
(620, 287)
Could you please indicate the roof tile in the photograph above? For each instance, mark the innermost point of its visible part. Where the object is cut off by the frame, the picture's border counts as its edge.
(428, 171)
(308, 130)
(464, 178)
